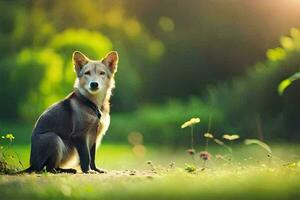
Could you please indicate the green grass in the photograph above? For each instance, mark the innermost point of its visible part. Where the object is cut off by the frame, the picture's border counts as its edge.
(249, 176)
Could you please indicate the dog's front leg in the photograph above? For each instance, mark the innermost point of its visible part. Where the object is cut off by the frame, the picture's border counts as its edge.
(83, 152)
(93, 165)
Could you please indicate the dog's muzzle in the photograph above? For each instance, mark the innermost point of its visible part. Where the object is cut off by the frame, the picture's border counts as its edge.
(94, 86)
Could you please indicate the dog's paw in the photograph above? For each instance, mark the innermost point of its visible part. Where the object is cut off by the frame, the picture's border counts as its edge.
(90, 172)
(70, 171)
(100, 171)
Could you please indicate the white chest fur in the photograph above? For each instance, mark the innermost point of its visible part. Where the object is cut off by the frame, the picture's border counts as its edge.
(103, 126)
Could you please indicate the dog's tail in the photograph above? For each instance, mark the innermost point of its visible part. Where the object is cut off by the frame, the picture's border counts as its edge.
(29, 170)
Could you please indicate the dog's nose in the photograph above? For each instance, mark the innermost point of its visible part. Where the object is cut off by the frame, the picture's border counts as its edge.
(94, 85)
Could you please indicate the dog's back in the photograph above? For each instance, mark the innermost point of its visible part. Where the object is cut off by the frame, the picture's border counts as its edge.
(50, 136)
(57, 118)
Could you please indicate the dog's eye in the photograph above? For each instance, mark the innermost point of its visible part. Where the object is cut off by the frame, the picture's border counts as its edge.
(102, 73)
(87, 73)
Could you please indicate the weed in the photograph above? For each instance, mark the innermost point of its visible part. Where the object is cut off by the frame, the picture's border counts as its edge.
(262, 145)
(190, 168)
(191, 124)
(230, 138)
(8, 155)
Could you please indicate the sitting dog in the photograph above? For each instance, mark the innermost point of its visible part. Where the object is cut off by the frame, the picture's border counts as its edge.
(73, 128)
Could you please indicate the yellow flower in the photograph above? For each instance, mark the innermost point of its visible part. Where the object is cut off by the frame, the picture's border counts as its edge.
(191, 122)
(185, 124)
(10, 136)
(208, 135)
(231, 137)
(195, 120)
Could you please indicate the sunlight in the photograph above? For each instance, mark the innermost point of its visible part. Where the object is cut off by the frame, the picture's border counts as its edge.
(102, 99)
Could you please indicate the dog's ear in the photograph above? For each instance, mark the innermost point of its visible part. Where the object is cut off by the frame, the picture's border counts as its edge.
(79, 60)
(111, 61)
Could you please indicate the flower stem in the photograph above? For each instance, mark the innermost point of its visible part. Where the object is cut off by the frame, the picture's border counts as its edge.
(209, 123)
(192, 143)
(204, 164)
(208, 131)
(206, 145)
(192, 137)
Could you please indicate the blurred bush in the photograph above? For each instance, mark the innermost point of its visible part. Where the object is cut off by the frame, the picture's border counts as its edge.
(249, 105)
(92, 44)
(37, 77)
(23, 91)
(160, 61)
(161, 123)
(252, 105)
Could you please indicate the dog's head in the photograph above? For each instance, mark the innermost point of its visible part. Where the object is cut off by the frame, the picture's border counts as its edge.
(94, 76)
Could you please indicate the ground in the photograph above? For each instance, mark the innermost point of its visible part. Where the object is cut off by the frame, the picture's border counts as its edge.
(160, 174)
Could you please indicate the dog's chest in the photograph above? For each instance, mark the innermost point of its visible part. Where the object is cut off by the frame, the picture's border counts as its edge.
(103, 123)
(95, 128)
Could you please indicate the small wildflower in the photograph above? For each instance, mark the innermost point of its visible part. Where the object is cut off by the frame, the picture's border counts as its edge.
(231, 137)
(205, 155)
(195, 120)
(3, 137)
(191, 122)
(208, 135)
(10, 136)
(191, 151)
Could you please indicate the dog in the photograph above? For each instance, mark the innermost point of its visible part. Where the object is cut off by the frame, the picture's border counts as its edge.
(69, 132)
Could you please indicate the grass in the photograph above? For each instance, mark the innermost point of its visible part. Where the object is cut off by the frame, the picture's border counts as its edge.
(249, 176)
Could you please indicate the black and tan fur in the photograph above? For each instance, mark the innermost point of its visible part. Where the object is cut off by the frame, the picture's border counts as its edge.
(69, 131)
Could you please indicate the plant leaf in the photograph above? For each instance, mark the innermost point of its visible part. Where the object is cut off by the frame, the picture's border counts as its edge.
(287, 82)
(259, 143)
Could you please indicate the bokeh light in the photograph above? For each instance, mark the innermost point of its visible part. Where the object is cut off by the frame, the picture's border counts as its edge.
(139, 150)
(135, 138)
(166, 24)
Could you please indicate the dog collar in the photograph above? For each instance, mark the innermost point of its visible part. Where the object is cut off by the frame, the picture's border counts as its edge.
(89, 104)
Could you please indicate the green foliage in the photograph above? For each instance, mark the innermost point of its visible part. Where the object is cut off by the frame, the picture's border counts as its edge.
(42, 89)
(287, 82)
(290, 44)
(249, 105)
(252, 102)
(159, 61)
(9, 159)
(36, 78)
(93, 44)
(21, 86)
(161, 123)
